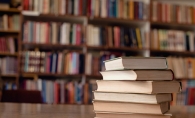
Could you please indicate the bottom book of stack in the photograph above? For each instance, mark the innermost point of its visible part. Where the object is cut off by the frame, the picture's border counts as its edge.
(130, 115)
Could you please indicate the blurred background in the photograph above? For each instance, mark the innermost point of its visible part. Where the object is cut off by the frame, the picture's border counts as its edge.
(51, 51)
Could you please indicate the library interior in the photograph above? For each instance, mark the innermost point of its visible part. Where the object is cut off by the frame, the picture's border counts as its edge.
(60, 58)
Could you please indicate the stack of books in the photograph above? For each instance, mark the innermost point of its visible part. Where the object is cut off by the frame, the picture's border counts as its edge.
(135, 87)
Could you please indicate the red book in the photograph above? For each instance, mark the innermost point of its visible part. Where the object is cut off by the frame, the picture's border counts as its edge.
(193, 15)
(177, 13)
(86, 93)
(1, 50)
(56, 93)
(47, 32)
(4, 45)
(88, 7)
(78, 34)
(191, 96)
(159, 9)
(166, 13)
(80, 6)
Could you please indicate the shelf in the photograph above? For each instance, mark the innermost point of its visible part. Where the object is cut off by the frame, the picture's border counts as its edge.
(9, 31)
(36, 16)
(10, 10)
(8, 54)
(184, 78)
(94, 76)
(51, 46)
(9, 75)
(105, 48)
(108, 20)
(173, 25)
(32, 74)
(169, 52)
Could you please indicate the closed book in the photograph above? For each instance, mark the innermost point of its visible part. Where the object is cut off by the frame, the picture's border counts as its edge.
(146, 87)
(130, 115)
(138, 75)
(126, 107)
(136, 63)
(134, 98)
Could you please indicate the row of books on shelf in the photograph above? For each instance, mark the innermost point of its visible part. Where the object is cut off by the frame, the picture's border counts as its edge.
(126, 9)
(117, 36)
(9, 86)
(98, 8)
(8, 65)
(173, 12)
(186, 96)
(53, 33)
(8, 44)
(172, 40)
(183, 68)
(10, 22)
(53, 62)
(61, 91)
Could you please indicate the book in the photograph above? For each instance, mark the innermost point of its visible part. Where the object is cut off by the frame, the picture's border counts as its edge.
(138, 75)
(121, 63)
(126, 107)
(146, 87)
(134, 98)
(130, 115)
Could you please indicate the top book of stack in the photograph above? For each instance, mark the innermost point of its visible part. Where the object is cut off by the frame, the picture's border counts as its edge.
(123, 63)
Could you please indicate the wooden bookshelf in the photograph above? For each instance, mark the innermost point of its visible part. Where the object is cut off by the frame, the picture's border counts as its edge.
(9, 75)
(10, 10)
(85, 49)
(31, 74)
(8, 54)
(171, 25)
(172, 52)
(51, 46)
(9, 31)
(120, 21)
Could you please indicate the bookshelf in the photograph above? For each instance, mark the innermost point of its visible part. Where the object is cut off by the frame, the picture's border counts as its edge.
(98, 19)
(9, 43)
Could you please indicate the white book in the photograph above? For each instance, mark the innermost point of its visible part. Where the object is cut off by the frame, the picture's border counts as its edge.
(191, 41)
(63, 33)
(40, 6)
(63, 7)
(76, 7)
(39, 84)
(36, 5)
(103, 8)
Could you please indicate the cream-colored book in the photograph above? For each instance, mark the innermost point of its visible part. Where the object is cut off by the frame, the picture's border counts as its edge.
(126, 107)
(146, 87)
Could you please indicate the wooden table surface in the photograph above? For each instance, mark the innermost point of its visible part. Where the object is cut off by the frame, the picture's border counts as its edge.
(14, 110)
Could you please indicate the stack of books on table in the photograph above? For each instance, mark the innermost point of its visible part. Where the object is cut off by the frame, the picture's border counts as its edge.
(136, 88)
